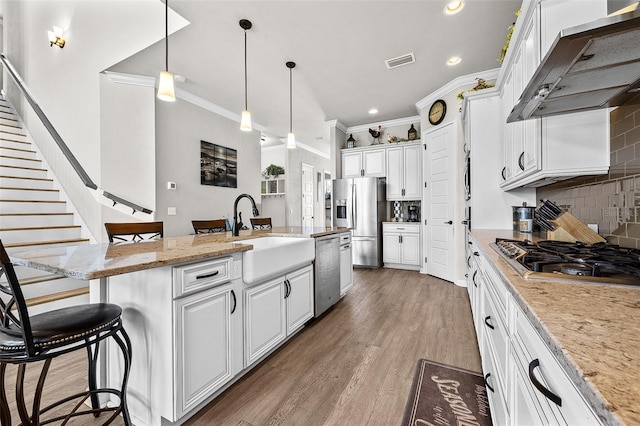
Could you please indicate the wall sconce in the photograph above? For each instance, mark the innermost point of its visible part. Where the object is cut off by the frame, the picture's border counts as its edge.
(55, 37)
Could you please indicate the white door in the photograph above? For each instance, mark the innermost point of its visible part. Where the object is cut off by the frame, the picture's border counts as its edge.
(440, 201)
(307, 195)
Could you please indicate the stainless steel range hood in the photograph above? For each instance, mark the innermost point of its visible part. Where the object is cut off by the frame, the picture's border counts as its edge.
(591, 66)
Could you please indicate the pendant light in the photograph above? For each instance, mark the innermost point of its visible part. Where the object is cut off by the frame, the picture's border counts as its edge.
(166, 91)
(291, 139)
(245, 122)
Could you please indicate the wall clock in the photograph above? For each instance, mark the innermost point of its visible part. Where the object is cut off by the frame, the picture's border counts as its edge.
(437, 112)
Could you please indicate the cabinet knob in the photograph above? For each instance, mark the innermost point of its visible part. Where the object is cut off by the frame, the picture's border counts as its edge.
(450, 222)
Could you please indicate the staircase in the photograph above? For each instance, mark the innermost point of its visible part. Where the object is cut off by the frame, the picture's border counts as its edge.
(33, 216)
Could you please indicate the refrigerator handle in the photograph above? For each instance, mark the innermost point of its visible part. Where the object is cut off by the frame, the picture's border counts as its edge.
(354, 208)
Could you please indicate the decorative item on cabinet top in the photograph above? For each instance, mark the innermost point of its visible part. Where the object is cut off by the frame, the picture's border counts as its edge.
(272, 171)
(351, 142)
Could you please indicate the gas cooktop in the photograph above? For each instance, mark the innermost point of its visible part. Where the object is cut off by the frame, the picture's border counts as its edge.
(559, 260)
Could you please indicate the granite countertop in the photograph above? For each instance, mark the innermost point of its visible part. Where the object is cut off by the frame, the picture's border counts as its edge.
(93, 261)
(593, 329)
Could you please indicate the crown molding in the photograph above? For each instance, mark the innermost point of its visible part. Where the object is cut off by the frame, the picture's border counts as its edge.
(337, 124)
(143, 80)
(455, 84)
(389, 123)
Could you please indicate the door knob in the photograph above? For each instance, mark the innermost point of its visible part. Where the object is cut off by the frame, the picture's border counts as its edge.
(449, 222)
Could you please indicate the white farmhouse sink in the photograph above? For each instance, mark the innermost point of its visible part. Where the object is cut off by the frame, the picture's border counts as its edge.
(273, 256)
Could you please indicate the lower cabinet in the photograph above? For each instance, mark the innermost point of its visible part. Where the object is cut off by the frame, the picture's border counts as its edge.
(195, 328)
(401, 245)
(204, 333)
(275, 309)
(346, 268)
(526, 384)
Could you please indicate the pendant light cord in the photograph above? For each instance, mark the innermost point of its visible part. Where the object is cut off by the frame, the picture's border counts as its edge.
(166, 34)
(290, 101)
(245, 71)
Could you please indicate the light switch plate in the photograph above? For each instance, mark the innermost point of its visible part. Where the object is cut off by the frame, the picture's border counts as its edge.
(171, 211)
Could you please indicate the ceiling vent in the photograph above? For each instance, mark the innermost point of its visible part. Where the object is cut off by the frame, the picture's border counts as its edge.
(409, 58)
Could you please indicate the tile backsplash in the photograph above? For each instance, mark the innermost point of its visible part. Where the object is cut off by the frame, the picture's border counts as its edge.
(612, 201)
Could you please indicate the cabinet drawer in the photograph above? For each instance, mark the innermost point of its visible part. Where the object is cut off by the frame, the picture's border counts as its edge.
(563, 401)
(497, 401)
(197, 276)
(496, 287)
(402, 228)
(496, 335)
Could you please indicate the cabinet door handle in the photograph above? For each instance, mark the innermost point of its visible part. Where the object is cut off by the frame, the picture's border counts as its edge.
(213, 274)
(473, 278)
(543, 390)
(469, 261)
(235, 301)
(288, 284)
(400, 239)
(504, 170)
(488, 324)
(486, 383)
(475, 253)
(521, 161)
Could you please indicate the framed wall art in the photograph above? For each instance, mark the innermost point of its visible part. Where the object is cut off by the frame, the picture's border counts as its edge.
(218, 165)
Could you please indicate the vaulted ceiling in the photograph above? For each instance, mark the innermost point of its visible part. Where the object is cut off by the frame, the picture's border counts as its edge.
(339, 48)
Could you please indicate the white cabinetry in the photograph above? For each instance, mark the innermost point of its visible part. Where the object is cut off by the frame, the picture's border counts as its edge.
(403, 172)
(204, 345)
(361, 162)
(185, 324)
(525, 381)
(346, 263)
(275, 309)
(401, 245)
(538, 151)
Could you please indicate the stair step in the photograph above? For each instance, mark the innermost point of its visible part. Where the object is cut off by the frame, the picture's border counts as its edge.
(9, 126)
(16, 135)
(57, 296)
(32, 206)
(7, 115)
(22, 182)
(39, 234)
(6, 141)
(20, 161)
(82, 299)
(61, 243)
(40, 279)
(15, 220)
(18, 152)
(27, 172)
(12, 193)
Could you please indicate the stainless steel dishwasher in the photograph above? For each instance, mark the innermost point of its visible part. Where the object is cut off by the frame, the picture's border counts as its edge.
(326, 273)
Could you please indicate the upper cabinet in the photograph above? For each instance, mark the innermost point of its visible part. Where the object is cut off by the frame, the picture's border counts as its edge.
(540, 151)
(403, 172)
(360, 162)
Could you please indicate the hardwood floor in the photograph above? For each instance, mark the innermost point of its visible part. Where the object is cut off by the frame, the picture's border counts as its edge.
(354, 366)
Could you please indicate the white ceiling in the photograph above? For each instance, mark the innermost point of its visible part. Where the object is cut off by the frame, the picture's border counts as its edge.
(339, 48)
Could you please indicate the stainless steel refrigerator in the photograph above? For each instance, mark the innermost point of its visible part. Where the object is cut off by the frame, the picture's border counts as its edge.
(359, 204)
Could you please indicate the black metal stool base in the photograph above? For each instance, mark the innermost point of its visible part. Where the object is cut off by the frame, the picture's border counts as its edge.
(33, 418)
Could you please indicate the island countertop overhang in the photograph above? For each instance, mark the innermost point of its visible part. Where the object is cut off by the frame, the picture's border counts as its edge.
(95, 261)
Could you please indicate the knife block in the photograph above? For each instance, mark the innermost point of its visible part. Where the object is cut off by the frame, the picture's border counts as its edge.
(569, 228)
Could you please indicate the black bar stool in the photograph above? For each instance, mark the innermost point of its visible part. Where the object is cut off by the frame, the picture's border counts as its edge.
(25, 339)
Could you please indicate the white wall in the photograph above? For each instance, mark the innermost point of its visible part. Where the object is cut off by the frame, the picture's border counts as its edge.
(66, 82)
(179, 128)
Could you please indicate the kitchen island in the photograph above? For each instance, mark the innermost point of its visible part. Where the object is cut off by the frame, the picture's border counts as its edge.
(196, 327)
(592, 330)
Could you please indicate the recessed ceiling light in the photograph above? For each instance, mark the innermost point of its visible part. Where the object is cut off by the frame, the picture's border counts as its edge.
(373, 111)
(453, 7)
(454, 60)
